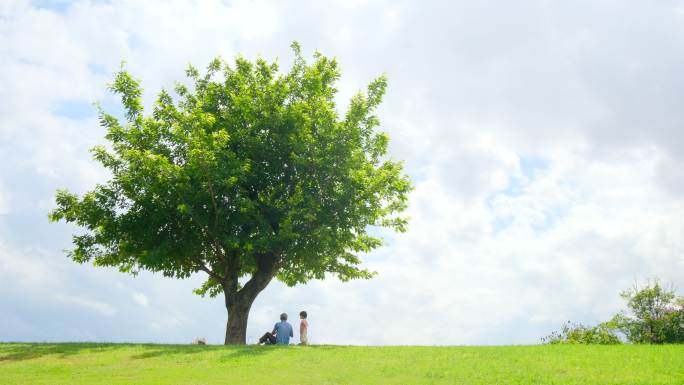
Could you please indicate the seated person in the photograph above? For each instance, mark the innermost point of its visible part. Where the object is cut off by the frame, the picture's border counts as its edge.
(282, 331)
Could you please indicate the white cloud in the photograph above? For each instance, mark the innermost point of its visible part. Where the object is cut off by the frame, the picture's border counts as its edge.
(28, 267)
(90, 304)
(544, 142)
(141, 299)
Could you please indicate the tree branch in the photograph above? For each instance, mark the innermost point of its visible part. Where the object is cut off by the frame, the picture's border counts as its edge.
(212, 195)
(267, 265)
(200, 265)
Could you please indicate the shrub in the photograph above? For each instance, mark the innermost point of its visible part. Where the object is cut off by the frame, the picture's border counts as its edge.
(576, 333)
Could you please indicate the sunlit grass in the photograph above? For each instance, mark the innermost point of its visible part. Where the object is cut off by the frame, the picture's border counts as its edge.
(190, 364)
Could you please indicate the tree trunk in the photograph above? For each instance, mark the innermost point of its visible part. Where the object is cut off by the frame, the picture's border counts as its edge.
(236, 327)
(238, 302)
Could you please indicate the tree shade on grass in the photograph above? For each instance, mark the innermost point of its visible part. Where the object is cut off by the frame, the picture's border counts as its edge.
(34, 364)
(248, 175)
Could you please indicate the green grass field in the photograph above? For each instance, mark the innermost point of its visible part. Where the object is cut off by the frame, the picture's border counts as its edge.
(180, 364)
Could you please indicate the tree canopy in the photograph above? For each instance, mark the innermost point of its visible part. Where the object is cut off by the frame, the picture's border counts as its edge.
(655, 315)
(246, 174)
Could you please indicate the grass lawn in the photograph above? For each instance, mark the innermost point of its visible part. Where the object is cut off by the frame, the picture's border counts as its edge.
(76, 363)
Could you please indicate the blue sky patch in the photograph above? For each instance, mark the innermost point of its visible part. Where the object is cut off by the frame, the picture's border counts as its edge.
(530, 165)
(75, 109)
(98, 69)
(529, 169)
(59, 6)
(501, 223)
(135, 42)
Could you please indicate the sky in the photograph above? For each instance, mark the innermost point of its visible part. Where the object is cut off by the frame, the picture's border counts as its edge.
(545, 141)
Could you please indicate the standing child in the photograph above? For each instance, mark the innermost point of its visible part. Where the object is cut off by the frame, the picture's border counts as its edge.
(303, 328)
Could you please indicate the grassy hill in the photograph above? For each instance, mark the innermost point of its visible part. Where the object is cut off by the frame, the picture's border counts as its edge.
(73, 363)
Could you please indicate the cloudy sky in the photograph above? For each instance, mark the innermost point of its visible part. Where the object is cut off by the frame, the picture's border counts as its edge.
(545, 140)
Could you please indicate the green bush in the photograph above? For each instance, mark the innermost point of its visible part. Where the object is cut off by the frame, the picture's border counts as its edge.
(654, 315)
(576, 333)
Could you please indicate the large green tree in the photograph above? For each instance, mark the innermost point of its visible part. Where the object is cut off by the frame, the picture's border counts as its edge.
(247, 175)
